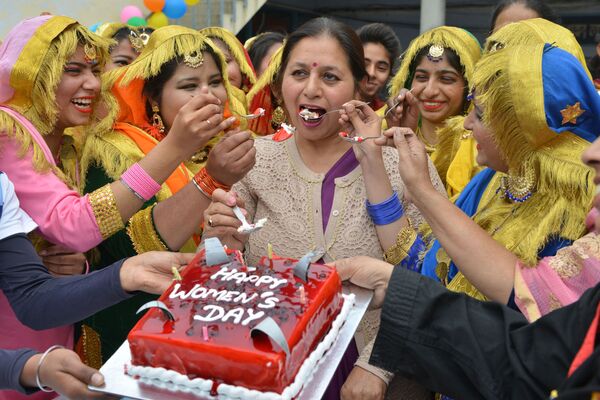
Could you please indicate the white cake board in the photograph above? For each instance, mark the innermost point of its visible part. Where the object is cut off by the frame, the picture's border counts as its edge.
(120, 384)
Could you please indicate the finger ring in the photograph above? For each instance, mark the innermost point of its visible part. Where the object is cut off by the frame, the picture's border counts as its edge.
(208, 122)
(210, 221)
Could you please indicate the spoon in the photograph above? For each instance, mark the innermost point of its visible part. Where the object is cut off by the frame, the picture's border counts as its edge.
(396, 104)
(259, 112)
(247, 227)
(306, 114)
(355, 139)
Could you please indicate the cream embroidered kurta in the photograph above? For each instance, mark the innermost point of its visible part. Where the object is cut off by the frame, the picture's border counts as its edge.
(283, 189)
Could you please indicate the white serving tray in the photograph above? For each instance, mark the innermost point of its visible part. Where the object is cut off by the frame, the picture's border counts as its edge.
(120, 384)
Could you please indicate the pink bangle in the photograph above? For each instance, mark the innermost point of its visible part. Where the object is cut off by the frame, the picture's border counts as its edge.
(140, 182)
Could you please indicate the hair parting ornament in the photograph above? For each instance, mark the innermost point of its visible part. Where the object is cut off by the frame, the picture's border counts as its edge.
(138, 40)
(90, 54)
(194, 60)
(435, 53)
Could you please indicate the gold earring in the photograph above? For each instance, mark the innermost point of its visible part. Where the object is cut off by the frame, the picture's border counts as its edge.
(519, 187)
(156, 119)
(278, 116)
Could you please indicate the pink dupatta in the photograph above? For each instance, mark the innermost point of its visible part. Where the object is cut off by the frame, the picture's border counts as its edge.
(63, 217)
(13, 334)
(559, 280)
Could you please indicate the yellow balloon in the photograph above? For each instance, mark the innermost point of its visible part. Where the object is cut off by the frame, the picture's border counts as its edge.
(191, 2)
(158, 20)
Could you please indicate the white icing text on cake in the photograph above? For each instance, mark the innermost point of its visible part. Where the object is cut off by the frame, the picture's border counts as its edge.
(237, 315)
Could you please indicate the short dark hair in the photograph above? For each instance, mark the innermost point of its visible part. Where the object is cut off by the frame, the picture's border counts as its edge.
(342, 33)
(261, 45)
(384, 35)
(542, 9)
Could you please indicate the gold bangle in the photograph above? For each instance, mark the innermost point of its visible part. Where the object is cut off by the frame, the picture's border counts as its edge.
(142, 233)
(104, 207)
(399, 251)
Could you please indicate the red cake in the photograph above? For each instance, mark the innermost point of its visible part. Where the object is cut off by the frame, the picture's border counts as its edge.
(214, 309)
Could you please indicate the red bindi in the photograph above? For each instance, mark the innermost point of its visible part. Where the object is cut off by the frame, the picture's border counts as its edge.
(315, 64)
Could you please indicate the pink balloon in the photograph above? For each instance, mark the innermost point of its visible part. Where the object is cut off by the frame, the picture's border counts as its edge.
(129, 12)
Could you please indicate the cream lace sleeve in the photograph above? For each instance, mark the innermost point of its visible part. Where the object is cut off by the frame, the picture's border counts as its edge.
(363, 362)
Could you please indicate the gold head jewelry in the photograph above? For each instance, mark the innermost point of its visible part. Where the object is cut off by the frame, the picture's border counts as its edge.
(138, 41)
(435, 53)
(90, 53)
(194, 60)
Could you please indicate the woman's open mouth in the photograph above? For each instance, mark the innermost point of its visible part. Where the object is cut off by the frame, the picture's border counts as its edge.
(83, 104)
(311, 115)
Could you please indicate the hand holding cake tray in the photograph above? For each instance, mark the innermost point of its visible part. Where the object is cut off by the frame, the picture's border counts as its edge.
(277, 330)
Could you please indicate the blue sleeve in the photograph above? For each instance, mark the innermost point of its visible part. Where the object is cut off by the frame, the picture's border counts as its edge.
(412, 261)
(553, 245)
(11, 365)
(41, 301)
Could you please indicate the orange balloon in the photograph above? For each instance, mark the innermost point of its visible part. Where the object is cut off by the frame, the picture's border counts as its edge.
(154, 5)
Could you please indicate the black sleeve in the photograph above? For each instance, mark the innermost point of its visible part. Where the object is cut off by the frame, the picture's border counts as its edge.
(469, 349)
(41, 301)
(11, 365)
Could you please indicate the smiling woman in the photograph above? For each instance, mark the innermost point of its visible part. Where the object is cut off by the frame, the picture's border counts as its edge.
(79, 86)
(130, 41)
(437, 67)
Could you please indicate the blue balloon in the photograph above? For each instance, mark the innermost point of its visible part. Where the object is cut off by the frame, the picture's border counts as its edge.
(94, 27)
(175, 8)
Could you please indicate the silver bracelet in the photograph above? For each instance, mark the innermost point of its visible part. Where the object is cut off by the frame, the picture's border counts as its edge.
(200, 189)
(139, 196)
(37, 371)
